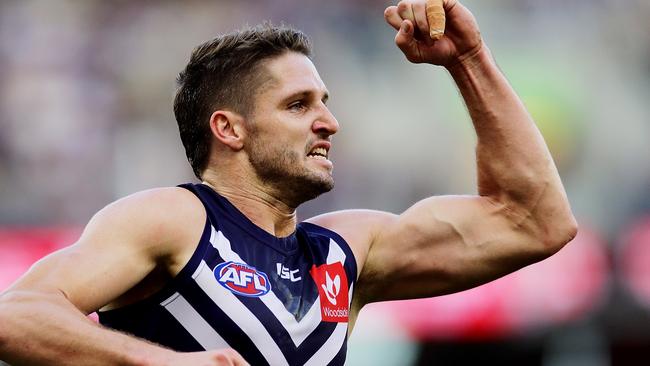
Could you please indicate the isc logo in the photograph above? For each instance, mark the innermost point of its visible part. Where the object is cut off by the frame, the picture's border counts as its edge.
(242, 279)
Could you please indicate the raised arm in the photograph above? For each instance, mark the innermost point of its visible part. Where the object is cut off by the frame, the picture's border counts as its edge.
(446, 244)
(43, 315)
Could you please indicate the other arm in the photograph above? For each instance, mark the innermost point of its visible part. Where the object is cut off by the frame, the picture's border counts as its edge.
(43, 315)
(447, 244)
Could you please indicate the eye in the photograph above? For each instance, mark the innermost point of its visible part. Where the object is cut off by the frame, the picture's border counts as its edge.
(297, 106)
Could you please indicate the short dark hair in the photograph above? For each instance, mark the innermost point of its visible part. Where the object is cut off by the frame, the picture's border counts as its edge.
(226, 73)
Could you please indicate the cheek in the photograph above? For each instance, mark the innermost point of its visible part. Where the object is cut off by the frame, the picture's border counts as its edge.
(294, 143)
(275, 150)
(283, 133)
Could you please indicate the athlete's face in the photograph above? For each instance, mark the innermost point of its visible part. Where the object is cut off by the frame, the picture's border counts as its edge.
(290, 130)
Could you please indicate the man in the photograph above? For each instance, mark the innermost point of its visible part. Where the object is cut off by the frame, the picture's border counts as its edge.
(260, 287)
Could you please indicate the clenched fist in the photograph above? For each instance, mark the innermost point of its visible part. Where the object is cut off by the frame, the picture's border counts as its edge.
(461, 40)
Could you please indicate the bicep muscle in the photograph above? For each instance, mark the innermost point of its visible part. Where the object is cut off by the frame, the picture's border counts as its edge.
(442, 245)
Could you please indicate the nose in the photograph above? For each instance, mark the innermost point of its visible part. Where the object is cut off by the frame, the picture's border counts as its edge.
(325, 123)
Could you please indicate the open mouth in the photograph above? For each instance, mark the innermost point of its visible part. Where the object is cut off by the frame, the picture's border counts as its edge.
(318, 153)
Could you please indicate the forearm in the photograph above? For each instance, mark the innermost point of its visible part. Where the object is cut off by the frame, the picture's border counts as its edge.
(512, 156)
(514, 164)
(45, 329)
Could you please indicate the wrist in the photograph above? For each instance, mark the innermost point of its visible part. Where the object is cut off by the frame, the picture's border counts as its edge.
(477, 58)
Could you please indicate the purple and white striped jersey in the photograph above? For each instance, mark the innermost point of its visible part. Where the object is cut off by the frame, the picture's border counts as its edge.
(277, 301)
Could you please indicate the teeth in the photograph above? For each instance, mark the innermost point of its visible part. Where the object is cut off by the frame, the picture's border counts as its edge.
(319, 151)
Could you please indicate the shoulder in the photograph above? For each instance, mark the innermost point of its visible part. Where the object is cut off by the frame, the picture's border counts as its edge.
(351, 221)
(157, 205)
(121, 245)
(159, 197)
(152, 217)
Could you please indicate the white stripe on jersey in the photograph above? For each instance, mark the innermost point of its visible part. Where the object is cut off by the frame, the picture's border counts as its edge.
(238, 313)
(335, 253)
(333, 344)
(194, 323)
(331, 347)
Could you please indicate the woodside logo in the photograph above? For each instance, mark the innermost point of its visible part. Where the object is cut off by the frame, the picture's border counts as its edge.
(332, 284)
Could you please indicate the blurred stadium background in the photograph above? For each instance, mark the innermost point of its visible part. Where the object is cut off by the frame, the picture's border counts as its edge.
(86, 118)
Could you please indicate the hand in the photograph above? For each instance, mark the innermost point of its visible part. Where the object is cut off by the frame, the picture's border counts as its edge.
(222, 357)
(461, 40)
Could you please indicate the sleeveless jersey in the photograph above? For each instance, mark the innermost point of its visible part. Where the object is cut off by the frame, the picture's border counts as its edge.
(277, 301)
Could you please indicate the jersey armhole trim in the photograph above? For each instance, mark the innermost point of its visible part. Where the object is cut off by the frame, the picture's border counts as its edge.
(339, 239)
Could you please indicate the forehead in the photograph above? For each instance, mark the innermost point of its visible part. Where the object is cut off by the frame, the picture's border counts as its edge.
(292, 72)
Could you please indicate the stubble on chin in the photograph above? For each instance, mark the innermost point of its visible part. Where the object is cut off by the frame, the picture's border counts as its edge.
(284, 171)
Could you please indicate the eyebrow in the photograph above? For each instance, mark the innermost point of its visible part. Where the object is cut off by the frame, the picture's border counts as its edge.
(304, 94)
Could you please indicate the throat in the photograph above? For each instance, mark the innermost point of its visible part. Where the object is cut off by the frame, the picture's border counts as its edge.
(264, 211)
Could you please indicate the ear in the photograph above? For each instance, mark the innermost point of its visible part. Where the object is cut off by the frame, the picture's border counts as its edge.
(228, 128)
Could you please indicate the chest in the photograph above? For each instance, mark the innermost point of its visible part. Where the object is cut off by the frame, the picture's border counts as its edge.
(292, 304)
(298, 288)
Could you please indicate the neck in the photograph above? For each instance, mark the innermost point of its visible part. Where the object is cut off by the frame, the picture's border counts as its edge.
(257, 204)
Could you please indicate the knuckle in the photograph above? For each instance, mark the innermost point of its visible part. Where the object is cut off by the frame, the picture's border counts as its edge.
(234, 354)
(225, 356)
(230, 352)
(401, 7)
(219, 357)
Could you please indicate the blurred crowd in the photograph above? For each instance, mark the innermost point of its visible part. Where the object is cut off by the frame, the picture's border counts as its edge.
(86, 92)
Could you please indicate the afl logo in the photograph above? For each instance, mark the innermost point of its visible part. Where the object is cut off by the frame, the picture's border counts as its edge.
(242, 279)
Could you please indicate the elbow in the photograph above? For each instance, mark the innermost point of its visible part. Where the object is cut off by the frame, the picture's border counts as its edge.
(572, 228)
(559, 233)
(549, 230)
(3, 341)
(5, 319)
(552, 223)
